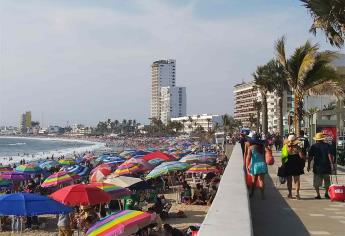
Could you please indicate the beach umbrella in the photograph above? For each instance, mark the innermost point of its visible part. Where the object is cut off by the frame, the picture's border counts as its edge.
(29, 169)
(127, 153)
(81, 194)
(122, 223)
(102, 166)
(145, 164)
(5, 169)
(29, 204)
(155, 162)
(67, 162)
(197, 159)
(49, 164)
(14, 176)
(99, 175)
(5, 183)
(129, 168)
(166, 168)
(123, 181)
(76, 169)
(59, 178)
(158, 155)
(113, 160)
(202, 169)
(116, 192)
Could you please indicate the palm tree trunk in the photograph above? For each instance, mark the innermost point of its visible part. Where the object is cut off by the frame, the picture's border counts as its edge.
(264, 113)
(258, 121)
(280, 115)
(297, 125)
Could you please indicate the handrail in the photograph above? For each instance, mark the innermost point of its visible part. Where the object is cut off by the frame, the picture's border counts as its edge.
(229, 213)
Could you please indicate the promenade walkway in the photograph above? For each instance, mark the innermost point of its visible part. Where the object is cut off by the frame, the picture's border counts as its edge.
(278, 215)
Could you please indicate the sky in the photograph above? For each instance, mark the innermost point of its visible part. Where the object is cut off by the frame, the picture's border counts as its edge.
(83, 61)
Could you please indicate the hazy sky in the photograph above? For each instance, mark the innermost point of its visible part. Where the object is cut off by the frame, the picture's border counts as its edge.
(84, 61)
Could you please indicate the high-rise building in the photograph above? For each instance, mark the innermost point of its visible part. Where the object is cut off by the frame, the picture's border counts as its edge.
(244, 96)
(173, 103)
(28, 119)
(22, 125)
(163, 75)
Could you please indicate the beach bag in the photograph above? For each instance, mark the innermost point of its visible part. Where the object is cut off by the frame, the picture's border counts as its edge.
(269, 157)
(284, 154)
(336, 192)
(281, 171)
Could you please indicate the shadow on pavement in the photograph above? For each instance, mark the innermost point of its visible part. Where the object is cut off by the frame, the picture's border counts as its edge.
(274, 216)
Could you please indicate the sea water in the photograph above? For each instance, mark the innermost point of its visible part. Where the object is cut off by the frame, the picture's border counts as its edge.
(14, 149)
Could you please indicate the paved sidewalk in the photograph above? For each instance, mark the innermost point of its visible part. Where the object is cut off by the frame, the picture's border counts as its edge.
(278, 215)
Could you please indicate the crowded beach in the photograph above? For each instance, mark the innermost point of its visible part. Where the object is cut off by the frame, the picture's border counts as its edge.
(156, 186)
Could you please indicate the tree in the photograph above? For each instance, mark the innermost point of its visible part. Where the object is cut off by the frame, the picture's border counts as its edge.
(329, 16)
(280, 85)
(308, 72)
(209, 120)
(264, 83)
(257, 106)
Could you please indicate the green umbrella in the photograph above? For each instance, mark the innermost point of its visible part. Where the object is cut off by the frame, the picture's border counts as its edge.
(166, 168)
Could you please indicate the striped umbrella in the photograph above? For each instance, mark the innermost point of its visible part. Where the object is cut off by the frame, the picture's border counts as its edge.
(166, 168)
(129, 168)
(67, 162)
(29, 169)
(121, 223)
(113, 160)
(59, 178)
(202, 169)
(99, 175)
(76, 169)
(49, 164)
(5, 168)
(114, 191)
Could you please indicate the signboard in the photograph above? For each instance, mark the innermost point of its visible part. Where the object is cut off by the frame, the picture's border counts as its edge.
(330, 133)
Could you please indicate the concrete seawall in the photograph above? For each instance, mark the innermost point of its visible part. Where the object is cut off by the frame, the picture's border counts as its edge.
(230, 210)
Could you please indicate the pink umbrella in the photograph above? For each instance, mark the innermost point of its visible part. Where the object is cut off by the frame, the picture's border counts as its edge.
(145, 164)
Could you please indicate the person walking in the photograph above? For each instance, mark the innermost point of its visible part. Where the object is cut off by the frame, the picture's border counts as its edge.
(256, 164)
(323, 166)
(294, 165)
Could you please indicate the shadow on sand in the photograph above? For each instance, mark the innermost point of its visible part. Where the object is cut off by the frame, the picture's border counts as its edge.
(274, 216)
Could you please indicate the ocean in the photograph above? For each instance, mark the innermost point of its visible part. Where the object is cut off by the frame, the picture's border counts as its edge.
(37, 148)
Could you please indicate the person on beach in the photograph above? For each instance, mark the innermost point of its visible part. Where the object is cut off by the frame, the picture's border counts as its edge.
(64, 225)
(256, 164)
(294, 165)
(324, 164)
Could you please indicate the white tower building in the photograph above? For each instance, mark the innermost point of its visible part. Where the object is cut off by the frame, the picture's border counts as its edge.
(173, 103)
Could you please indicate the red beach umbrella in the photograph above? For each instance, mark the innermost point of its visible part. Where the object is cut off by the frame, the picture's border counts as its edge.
(81, 194)
(158, 155)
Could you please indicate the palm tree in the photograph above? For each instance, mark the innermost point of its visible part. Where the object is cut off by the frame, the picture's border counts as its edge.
(280, 85)
(328, 15)
(264, 83)
(257, 106)
(208, 123)
(308, 72)
(252, 120)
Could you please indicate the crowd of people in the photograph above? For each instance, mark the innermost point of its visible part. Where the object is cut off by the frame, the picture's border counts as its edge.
(295, 152)
(192, 189)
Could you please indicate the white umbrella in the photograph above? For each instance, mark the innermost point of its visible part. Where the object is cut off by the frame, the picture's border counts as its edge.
(122, 181)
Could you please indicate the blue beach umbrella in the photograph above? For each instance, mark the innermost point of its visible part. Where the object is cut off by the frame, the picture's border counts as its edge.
(29, 204)
(49, 164)
(113, 160)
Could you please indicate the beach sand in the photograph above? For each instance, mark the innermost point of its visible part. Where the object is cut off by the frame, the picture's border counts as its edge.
(195, 215)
